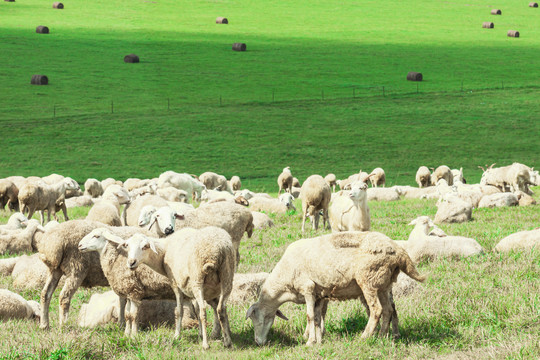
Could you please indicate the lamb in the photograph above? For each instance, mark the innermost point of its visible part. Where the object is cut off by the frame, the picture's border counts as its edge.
(523, 240)
(9, 195)
(40, 196)
(315, 195)
(261, 221)
(235, 183)
(170, 193)
(498, 200)
(20, 241)
(331, 181)
(377, 177)
(182, 182)
(351, 212)
(339, 266)
(423, 246)
(285, 180)
(14, 306)
(452, 209)
(423, 177)
(107, 210)
(16, 221)
(93, 188)
(515, 176)
(200, 265)
(442, 172)
(132, 284)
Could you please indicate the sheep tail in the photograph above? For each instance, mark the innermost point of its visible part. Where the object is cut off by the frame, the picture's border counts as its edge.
(209, 267)
(407, 266)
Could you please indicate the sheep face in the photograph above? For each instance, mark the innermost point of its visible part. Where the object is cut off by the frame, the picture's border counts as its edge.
(288, 200)
(146, 214)
(71, 184)
(358, 191)
(122, 196)
(263, 319)
(18, 220)
(94, 241)
(165, 218)
(137, 248)
(425, 223)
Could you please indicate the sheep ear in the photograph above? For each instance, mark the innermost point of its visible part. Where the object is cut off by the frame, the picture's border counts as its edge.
(149, 244)
(413, 222)
(113, 238)
(250, 311)
(179, 216)
(153, 219)
(280, 315)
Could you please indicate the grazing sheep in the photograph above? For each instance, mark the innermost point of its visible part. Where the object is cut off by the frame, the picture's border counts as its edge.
(296, 182)
(261, 221)
(331, 181)
(20, 241)
(131, 284)
(351, 212)
(9, 195)
(16, 221)
(200, 265)
(315, 195)
(515, 176)
(79, 201)
(498, 200)
(233, 218)
(7, 265)
(423, 177)
(383, 194)
(451, 209)
(173, 194)
(523, 240)
(274, 206)
(29, 273)
(107, 210)
(182, 182)
(211, 180)
(338, 266)
(423, 246)
(246, 287)
(377, 177)
(105, 308)
(285, 180)
(458, 175)
(41, 196)
(93, 188)
(14, 306)
(235, 183)
(442, 172)
(295, 192)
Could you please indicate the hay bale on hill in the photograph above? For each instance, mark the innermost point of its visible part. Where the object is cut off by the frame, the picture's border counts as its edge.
(533, 4)
(39, 80)
(488, 25)
(414, 76)
(513, 33)
(239, 47)
(58, 5)
(496, 12)
(131, 58)
(222, 20)
(42, 29)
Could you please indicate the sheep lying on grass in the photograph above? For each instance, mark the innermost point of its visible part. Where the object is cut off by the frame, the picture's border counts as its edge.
(7, 265)
(351, 212)
(523, 240)
(315, 195)
(14, 306)
(275, 206)
(20, 241)
(498, 200)
(338, 266)
(29, 273)
(261, 221)
(17, 221)
(211, 180)
(515, 177)
(200, 265)
(383, 194)
(451, 209)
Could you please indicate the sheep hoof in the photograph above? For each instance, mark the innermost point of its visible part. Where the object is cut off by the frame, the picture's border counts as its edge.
(205, 346)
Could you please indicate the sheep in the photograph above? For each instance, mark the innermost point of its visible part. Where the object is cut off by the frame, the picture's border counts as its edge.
(452, 209)
(29, 273)
(246, 287)
(211, 180)
(170, 193)
(19, 181)
(377, 177)
(338, 266)
(233, 218)
(261, 220)
(382, 194)
(315, 195)
(182, 182)
(442, 172)
(209, 195)
(14, 306)
(524, 199)
(295, 192)
(79, 201)
(133, 210)
(457, 175)
(274, 206)
(523, 240)
(93, 188)
(200, 265)
(498, 200)
(7, 265)
(104, 308)
(164, 218)
(534, 177)
(296, 182)
(515, 176)
(423, 246)
(40, 196)
(131, 284)
(423, 177)
(20, 241)
(149, 189)
(180, 207)
(52, 179)
(107, 210)
(133, 183)
(235, 183)
(351, 212)
(16, 221)
(110, 181)
(331, 181)
(247, 194)
(285, 180)
(9, 195)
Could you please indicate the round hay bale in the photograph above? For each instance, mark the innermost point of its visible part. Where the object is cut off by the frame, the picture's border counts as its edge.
(496, 12)
(488, 25)
(533, 4)
(39, 80)
(239, 47)
(414, 76)
(513, 33)
(58, 5)
(131, 58)
(42, 29)
(222, 20)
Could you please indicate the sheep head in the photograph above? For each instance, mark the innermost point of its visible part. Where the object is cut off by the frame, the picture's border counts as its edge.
(93, 241)
(358, 191)
(263, 318)
(137, 250)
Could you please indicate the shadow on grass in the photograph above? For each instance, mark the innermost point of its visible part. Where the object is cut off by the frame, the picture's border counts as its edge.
(245, 339)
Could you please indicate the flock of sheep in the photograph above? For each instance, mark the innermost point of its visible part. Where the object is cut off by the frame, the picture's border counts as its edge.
(160, 249)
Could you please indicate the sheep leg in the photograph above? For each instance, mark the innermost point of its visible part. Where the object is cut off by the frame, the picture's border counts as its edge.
(304, 210)
(376, 310)
(134, 314)
(70, 287)
(127, 330)
(216, 330)
(386, 315)
(64, 210)
(326, 219)
(179, 311)
(199, 297)
(46, 294)
(122, 311)
(310, 309)
(224, 319)
(395, 319)
(324, 308)
(315, 224)
(42, 216)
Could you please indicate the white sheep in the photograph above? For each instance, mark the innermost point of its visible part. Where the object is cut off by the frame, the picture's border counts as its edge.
(515, 177)
(182, 182)
(211, 180)
(164, 218)
(9, 195)
(20, 241)
(110, 181)
(93, 188)
(351, 212)
(377, 177)
(170, 193)
(235, 183)
(383, 194)
(261, 220)
(7, 265)
(452, 209)
(498, 200)
(246, 287)
(331, 180)
(29, 273)
(296, 182)
(16, 221)
(274, 206)
(107, 210)
(285, 180)
(133, 210)
(458, 176)
(523, 240)
(150, 188)
(442, 172)
(315, 194)
(14, 306)
(525, 199)
(313, 270)
(78, 201)
(200, 265)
